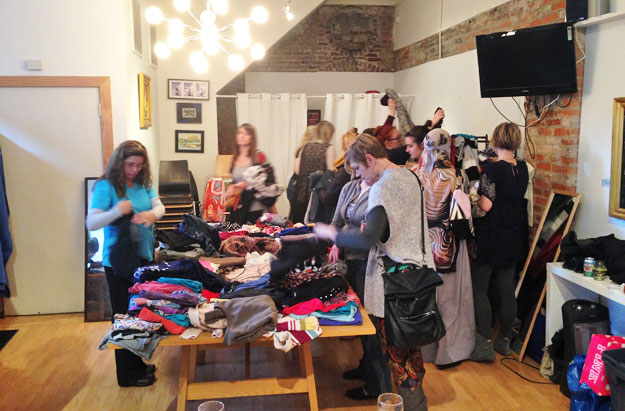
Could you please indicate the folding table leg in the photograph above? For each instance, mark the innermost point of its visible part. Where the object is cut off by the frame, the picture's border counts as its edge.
(183, 377)
(306, 355)
(192, 363)
(247, 361)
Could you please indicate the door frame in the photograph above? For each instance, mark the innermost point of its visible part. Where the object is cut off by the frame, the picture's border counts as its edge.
(102, 83)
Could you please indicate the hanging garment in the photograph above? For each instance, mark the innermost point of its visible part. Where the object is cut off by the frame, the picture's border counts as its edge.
(214, 198)
(6, 243)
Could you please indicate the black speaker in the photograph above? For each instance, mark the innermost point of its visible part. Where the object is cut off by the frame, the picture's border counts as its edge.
(576, 10)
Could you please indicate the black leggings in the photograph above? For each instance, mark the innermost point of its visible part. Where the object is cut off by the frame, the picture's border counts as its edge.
(503, 277)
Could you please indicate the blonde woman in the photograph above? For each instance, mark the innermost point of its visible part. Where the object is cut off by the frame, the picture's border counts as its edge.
(316, 155)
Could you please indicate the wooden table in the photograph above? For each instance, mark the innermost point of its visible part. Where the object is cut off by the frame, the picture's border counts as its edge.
(190, 390)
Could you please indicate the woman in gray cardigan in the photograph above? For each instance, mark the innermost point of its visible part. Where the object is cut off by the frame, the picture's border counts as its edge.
(393, 224)
(373, 367)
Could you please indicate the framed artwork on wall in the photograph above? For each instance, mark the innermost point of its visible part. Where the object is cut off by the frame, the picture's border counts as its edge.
(137, 43)
(145, 101)
(189, 113)
(617, 179)
(153, 58)
(313, 117)
(187, 89)
(189, 141)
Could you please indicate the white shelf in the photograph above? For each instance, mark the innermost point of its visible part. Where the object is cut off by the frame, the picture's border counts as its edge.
(598, 287)
(600, 19)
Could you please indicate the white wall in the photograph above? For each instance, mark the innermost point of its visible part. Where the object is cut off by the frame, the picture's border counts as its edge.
(177, 66)
(603, 81)
(75, 38)
(453, 83)
(317, 84)
(419, 19)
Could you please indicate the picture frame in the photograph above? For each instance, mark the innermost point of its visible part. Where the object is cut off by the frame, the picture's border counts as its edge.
(617, 178)
(313, 117)
(153, 58)
(145, 101)
(189, 113)
(188, 89)
(137, 43)
(189, 141)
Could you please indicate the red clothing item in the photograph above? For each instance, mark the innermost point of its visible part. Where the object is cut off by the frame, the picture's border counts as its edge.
(209, 294)
(307, 307)
(227, 234)
(157, 287)
(151, 316)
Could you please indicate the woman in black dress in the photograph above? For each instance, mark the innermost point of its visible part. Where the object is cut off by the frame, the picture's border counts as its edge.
(499, 240)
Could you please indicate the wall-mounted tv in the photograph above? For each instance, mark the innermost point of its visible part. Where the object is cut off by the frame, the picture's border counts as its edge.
(528, 62)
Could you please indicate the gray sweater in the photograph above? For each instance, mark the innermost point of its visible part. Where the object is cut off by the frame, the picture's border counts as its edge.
(341, 219)
(398, 192)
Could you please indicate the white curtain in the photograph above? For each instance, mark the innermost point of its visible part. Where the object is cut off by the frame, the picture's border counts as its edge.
(280, 121)
(353, 110)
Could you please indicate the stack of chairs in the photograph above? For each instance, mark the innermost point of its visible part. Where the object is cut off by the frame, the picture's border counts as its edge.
(175, 191)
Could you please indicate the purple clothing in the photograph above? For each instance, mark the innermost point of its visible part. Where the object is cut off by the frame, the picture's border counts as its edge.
(178, 297)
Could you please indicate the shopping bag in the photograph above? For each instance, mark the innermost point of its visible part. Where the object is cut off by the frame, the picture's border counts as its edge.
(594, 369)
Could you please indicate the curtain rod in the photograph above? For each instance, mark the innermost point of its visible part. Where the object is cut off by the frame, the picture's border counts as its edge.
(275, 96)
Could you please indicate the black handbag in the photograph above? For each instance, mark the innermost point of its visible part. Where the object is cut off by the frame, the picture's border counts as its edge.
(411, 315)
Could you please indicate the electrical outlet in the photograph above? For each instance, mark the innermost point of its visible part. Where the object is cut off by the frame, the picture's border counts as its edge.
(605, 182)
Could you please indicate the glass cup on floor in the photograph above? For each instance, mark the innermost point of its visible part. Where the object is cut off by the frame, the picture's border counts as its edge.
(211, 406)
(390, 402)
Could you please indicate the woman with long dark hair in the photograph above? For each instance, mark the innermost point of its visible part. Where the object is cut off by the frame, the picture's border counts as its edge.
(125, 203)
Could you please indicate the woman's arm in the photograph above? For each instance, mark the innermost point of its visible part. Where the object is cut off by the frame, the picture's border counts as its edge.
(97, 218)
(484, 203)
(376, 229)
(147, 218)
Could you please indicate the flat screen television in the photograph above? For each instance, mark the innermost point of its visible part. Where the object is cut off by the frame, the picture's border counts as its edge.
(528, 62)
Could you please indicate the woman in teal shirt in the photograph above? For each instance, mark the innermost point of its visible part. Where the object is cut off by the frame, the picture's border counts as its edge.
(125, 191)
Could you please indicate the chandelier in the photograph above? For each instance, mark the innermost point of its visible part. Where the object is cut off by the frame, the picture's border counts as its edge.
(212, 39)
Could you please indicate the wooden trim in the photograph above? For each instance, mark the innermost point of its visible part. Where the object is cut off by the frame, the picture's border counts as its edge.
(102, 83)
(617, 158)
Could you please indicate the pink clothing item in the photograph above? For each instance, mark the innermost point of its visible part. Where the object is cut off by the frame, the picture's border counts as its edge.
(227, 234)
(157, 287)
(209, 266)
(172, 327)
(464, 202)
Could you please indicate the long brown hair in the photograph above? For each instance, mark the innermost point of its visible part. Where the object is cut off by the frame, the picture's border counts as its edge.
(114, 173)
(252, 152)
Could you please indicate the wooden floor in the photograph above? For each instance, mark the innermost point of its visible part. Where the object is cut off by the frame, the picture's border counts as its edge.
(53, 363)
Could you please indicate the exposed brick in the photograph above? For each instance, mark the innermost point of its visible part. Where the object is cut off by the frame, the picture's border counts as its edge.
(560, 132)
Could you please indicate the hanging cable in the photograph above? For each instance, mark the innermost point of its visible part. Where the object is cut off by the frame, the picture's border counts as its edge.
(501, 361)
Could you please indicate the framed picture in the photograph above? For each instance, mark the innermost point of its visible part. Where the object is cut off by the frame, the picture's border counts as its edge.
(136, 28)
(189, 141)
(190, 113)
(145, 101)
(617, 179)
(313, 117)
(187, 89)
(153, 58)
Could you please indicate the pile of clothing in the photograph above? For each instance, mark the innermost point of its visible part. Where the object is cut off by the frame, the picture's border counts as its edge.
(236, 282)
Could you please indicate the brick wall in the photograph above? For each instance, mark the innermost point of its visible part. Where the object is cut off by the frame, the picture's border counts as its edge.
(336, 38)
(555, 139)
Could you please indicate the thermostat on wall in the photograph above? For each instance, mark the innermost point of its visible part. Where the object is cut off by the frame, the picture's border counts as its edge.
(35, 65)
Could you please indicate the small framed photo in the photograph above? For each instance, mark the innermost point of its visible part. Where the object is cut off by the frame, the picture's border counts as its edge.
(189, 113)
(313, 117)
(187, 89)
(145, 101)
(189, 141)
(137, 43)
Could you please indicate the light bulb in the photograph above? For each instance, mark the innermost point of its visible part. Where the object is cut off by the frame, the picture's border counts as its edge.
(211, 47)
(241, 26)
(259, 14)
(289, 16)
(257, 51)
(209, 34)
(220, 7)
(175, 40)
(161, 50)
(207, 17)
(242, 41)
(182, 5)
(236, 62)
(153, 15)
(175, 26)
(198, 62)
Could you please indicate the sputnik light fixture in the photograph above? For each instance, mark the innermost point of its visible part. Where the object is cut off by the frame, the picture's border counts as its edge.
(212, 38)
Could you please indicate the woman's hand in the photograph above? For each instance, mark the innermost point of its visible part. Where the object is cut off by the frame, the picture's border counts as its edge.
(146, 218)
(392, 107)
(438, 116)
(333, 255)
(325, 231)
(125, 207)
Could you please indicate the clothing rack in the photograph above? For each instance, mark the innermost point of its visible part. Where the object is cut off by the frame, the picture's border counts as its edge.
(296, 96)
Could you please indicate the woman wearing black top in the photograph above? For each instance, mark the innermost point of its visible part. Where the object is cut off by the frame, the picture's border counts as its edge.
(499, 240)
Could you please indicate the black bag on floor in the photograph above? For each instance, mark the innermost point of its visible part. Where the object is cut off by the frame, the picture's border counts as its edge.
(411, 316)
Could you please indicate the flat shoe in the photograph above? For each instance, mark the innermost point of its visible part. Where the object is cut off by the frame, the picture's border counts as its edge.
(141, 382)
(359, 394)
(150, 369)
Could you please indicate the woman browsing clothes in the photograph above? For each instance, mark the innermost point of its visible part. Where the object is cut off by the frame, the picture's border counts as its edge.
(126, 205)
(392, 234)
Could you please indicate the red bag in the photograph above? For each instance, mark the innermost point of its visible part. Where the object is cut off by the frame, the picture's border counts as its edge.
(594, 369)
(213, 210)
